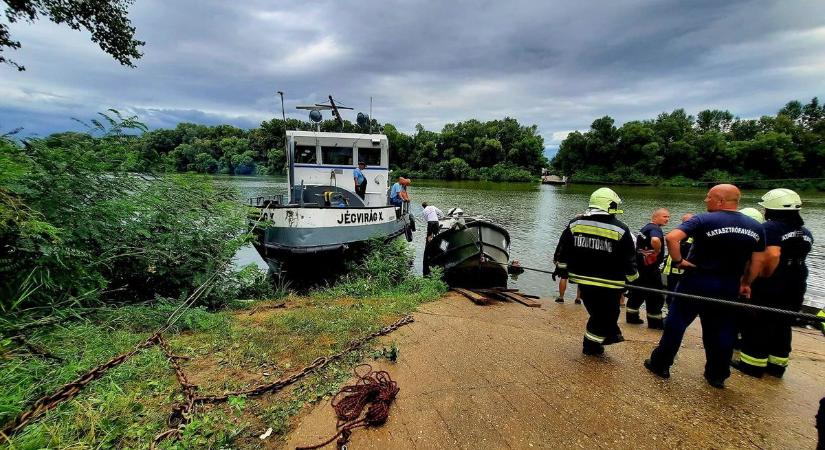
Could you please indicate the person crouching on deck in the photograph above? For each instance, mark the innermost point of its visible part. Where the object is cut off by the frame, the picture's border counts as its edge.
(598, 253)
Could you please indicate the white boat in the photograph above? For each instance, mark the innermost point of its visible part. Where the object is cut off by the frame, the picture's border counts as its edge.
(322, 215)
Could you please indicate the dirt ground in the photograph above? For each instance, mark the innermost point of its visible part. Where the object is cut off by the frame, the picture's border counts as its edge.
(508, 376)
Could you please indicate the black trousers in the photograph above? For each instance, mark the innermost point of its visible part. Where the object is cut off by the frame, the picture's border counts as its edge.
(361, 189)
(672, 281)
(432, 229)
(603, 306)
(651, 279)
(718, 331)
(766, 338)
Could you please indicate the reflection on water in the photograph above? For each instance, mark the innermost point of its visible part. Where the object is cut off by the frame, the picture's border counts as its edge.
(535, 215)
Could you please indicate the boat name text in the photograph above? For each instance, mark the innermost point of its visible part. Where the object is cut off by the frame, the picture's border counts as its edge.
(364, 217)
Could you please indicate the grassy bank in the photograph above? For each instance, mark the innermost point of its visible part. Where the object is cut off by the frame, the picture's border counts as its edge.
(243, 345)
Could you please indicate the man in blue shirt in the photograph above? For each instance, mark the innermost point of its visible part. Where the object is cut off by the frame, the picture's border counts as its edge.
(725, 244)
(360, 180)
(395, 193)
(650, 252)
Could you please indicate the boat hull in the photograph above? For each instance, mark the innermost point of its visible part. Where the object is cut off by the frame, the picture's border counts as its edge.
(292, 232)
(473, 256)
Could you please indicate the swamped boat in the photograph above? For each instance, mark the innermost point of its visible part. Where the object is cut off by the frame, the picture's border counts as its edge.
(472, 252)
(321, 217)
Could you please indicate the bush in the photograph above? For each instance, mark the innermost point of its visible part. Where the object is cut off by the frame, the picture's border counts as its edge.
(76, 230)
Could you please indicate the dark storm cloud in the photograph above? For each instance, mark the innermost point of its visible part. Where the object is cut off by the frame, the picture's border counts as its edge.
(557, 64)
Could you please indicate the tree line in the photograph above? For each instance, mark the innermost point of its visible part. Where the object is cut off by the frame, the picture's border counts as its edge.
(496, 150)
(712, 146)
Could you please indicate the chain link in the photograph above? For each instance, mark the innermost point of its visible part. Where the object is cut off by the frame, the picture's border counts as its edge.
(182, 413)
(71, 389)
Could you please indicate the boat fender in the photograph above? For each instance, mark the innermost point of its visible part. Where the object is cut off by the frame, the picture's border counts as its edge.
(412, 222)
(408, 233)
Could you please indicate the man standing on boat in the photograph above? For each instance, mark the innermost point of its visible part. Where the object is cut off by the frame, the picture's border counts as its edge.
(598, 252)
(431, 215)
(726, 243)
(650, 254)
(360, 180)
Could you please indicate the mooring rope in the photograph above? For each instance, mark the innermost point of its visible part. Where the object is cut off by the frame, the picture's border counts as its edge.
(732, 303)
(373, 388)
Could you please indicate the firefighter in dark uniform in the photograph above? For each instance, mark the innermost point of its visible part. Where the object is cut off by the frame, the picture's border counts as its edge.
(650, 246)
(766, 339)
(598, 253)
(725, 243)
(671, 272)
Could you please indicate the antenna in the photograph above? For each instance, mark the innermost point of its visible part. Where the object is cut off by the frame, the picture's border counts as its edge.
(336, 114)
(283, 114)
(370, 114)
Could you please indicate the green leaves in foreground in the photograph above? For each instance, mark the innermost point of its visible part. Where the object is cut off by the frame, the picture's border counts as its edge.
(75, 230)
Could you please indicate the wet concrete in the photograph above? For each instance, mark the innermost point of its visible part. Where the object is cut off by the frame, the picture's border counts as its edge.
(508, 376)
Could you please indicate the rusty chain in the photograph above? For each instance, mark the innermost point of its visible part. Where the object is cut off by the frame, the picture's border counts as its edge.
(71, 389)
(184, 411)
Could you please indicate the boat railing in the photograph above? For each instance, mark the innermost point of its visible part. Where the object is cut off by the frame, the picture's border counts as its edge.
(265, 201)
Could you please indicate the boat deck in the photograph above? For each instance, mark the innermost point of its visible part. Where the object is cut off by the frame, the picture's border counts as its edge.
(507, 376)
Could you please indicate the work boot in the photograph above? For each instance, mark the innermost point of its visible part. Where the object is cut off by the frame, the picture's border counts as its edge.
(718, 383)
(659, 372)
(633, 317)
(613, 339)
(592, 348)
(578, 301)
(775, 370)
(747, 369)
(655, 323)
(559, 299)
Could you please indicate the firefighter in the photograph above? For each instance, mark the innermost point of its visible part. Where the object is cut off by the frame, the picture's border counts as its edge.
(650, 254)
(725, 244)
(673, 273)
(766, 339)
(598, 253)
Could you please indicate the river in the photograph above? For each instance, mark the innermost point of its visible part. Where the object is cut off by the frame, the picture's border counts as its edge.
(535, 214)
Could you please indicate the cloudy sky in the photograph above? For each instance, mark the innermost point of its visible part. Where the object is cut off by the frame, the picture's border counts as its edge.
(556, 64)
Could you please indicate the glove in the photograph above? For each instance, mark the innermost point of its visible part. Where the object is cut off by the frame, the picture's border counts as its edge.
(554, 274)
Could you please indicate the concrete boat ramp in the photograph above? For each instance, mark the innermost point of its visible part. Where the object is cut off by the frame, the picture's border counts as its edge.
(507, 376)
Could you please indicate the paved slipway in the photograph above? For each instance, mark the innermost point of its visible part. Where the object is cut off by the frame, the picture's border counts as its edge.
(508, 376)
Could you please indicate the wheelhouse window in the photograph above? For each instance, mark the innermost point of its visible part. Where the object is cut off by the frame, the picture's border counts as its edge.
(369, 156)
(339, 156)
(305, 154)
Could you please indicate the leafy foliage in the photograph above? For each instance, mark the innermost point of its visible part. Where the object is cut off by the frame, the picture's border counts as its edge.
(715, 146)
(105, 19)
(76, 228)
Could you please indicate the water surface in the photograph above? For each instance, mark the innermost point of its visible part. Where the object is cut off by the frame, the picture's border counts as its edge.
(535, 215)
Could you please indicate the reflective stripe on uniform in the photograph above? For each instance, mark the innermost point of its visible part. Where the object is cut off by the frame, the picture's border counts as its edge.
(821, 324)
(632, 311)
(669, 269)
(594, 223)
(654, 316)
(599, 282)
(592, 337)
(561, 265)
(596, 231)
(778, 360)
(633, 277)
(751, 361)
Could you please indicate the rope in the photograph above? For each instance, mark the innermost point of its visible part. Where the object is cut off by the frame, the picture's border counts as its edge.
(736, 304)
(374, 388)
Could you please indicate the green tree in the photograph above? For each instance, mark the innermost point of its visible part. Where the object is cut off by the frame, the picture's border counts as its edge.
(106, 20)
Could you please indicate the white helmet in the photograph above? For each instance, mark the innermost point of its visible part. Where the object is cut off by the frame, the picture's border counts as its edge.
(783, 199)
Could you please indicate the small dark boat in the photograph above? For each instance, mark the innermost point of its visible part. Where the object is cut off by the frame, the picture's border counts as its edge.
(471, 251)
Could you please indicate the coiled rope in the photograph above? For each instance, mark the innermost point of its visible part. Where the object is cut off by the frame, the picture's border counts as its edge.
(373, 388)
